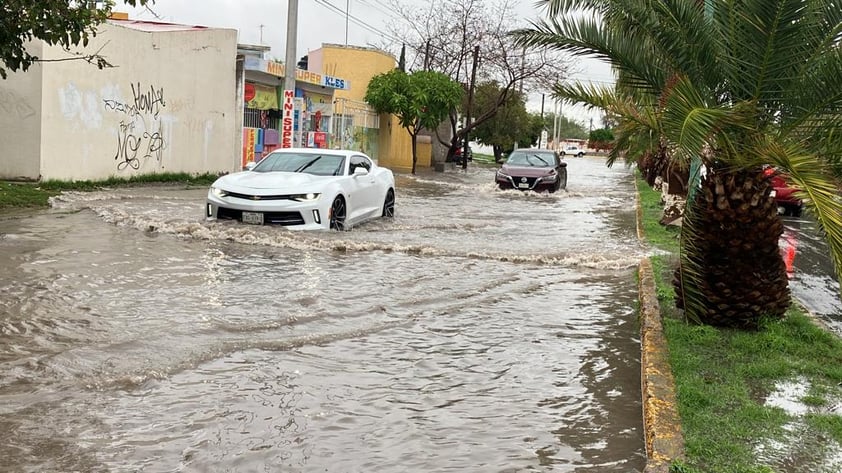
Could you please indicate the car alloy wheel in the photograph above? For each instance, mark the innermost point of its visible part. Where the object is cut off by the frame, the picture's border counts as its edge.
(389, 204)
(337, 214)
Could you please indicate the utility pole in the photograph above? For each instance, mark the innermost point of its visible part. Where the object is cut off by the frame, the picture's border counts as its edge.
(288, 107)
(555, 125)
(261, 33)
(470, 104)
(292, 45)
(347, 14)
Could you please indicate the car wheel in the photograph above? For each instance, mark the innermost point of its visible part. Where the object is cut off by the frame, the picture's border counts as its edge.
(338, 212)
(389, 204)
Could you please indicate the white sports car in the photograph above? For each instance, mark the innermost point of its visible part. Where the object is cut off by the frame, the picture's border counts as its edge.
(306, 189)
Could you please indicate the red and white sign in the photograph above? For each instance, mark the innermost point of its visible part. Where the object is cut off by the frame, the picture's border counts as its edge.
(249, 92)
(287, 120)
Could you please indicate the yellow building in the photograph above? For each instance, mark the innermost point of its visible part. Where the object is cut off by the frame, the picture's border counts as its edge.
(355, 124)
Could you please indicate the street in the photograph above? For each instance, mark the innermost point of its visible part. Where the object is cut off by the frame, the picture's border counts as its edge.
(480, 330)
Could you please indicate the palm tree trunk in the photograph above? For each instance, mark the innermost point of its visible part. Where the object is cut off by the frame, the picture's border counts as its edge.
(731, 272)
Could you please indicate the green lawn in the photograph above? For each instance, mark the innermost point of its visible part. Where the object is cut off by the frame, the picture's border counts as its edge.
(27, 194)
(724, 377)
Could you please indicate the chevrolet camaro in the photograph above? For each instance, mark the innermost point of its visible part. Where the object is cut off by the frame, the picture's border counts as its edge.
(306, 189)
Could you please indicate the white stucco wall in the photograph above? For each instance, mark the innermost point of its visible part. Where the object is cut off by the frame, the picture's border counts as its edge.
(169, 105)
(20, 122)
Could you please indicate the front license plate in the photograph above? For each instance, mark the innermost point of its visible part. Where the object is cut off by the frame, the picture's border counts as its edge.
(523, 185)
(254, 218)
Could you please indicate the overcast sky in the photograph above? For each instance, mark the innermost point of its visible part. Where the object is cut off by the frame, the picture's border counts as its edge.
(324, 21)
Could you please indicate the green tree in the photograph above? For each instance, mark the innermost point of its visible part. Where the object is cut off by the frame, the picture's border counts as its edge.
(507, 126)
(419, 100)
(65, 23)
(600, 139)
(739, 86)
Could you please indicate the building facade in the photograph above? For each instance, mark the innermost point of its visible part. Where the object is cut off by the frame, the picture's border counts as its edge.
(167, 105)
(357, 125)
(263, 97)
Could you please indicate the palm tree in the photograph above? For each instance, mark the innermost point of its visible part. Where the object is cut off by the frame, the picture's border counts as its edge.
(738, 85)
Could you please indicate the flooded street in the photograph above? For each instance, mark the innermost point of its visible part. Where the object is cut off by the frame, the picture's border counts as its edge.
(480, 330)
(812, 277)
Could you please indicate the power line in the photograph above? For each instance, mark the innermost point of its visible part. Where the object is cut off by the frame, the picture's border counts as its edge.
(380, 7)
(356, 20)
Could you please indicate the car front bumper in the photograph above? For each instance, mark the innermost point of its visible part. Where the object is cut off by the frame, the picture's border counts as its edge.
(313, 215)
(526, 183)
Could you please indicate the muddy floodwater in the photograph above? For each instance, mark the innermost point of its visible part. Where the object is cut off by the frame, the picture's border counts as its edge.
(479, 331)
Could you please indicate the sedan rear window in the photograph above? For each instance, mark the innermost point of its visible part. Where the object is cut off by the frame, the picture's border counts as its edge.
(310, 163)
(525, 158)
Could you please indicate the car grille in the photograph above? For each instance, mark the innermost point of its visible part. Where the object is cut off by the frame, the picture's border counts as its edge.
(277, 218)
(259, 197)
(529, 180)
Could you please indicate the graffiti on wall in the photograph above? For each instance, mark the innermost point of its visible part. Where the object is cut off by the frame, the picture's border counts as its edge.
(140, 134)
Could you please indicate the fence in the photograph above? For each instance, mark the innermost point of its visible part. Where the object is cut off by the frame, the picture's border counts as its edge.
(355, 126)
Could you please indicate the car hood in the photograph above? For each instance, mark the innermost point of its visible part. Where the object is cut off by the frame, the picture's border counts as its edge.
(281, 182)
(526, 171)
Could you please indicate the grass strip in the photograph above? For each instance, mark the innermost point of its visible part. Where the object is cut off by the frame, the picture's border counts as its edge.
(484, 158)
(33, 195)
(726, 378)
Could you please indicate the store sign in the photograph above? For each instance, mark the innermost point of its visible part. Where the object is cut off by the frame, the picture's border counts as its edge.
(248, 92)
(335, 83)
(263, 98)
(287, 120)
(278, 70)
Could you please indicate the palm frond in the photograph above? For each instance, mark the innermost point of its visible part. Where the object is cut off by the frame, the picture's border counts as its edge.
(818, 187)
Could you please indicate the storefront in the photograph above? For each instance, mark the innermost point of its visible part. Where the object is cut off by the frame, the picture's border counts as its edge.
(263, 97)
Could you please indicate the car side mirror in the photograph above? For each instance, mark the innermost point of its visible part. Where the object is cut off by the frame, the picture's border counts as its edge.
(249, 166)
(360, 171)
(562, 164)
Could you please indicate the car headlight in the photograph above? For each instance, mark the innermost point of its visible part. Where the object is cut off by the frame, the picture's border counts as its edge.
(306, 197)
(218, 192)
(502, 174)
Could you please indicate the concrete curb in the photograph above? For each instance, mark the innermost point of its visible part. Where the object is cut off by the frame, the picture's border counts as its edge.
(661, 422)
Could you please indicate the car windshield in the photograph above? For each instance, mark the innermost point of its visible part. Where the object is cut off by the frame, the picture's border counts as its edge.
(310, 163)
(531, 158)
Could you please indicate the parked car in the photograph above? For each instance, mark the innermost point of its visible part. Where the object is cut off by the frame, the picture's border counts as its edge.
(457, 155)
(784, 193)
(573, 151)
(306, 189)
(533, 169)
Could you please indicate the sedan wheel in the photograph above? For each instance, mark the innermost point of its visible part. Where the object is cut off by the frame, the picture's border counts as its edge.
(337, 214)
(389, 204)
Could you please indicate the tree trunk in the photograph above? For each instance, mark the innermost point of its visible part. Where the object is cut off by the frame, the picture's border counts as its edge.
(414, 150)
(731, 271)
